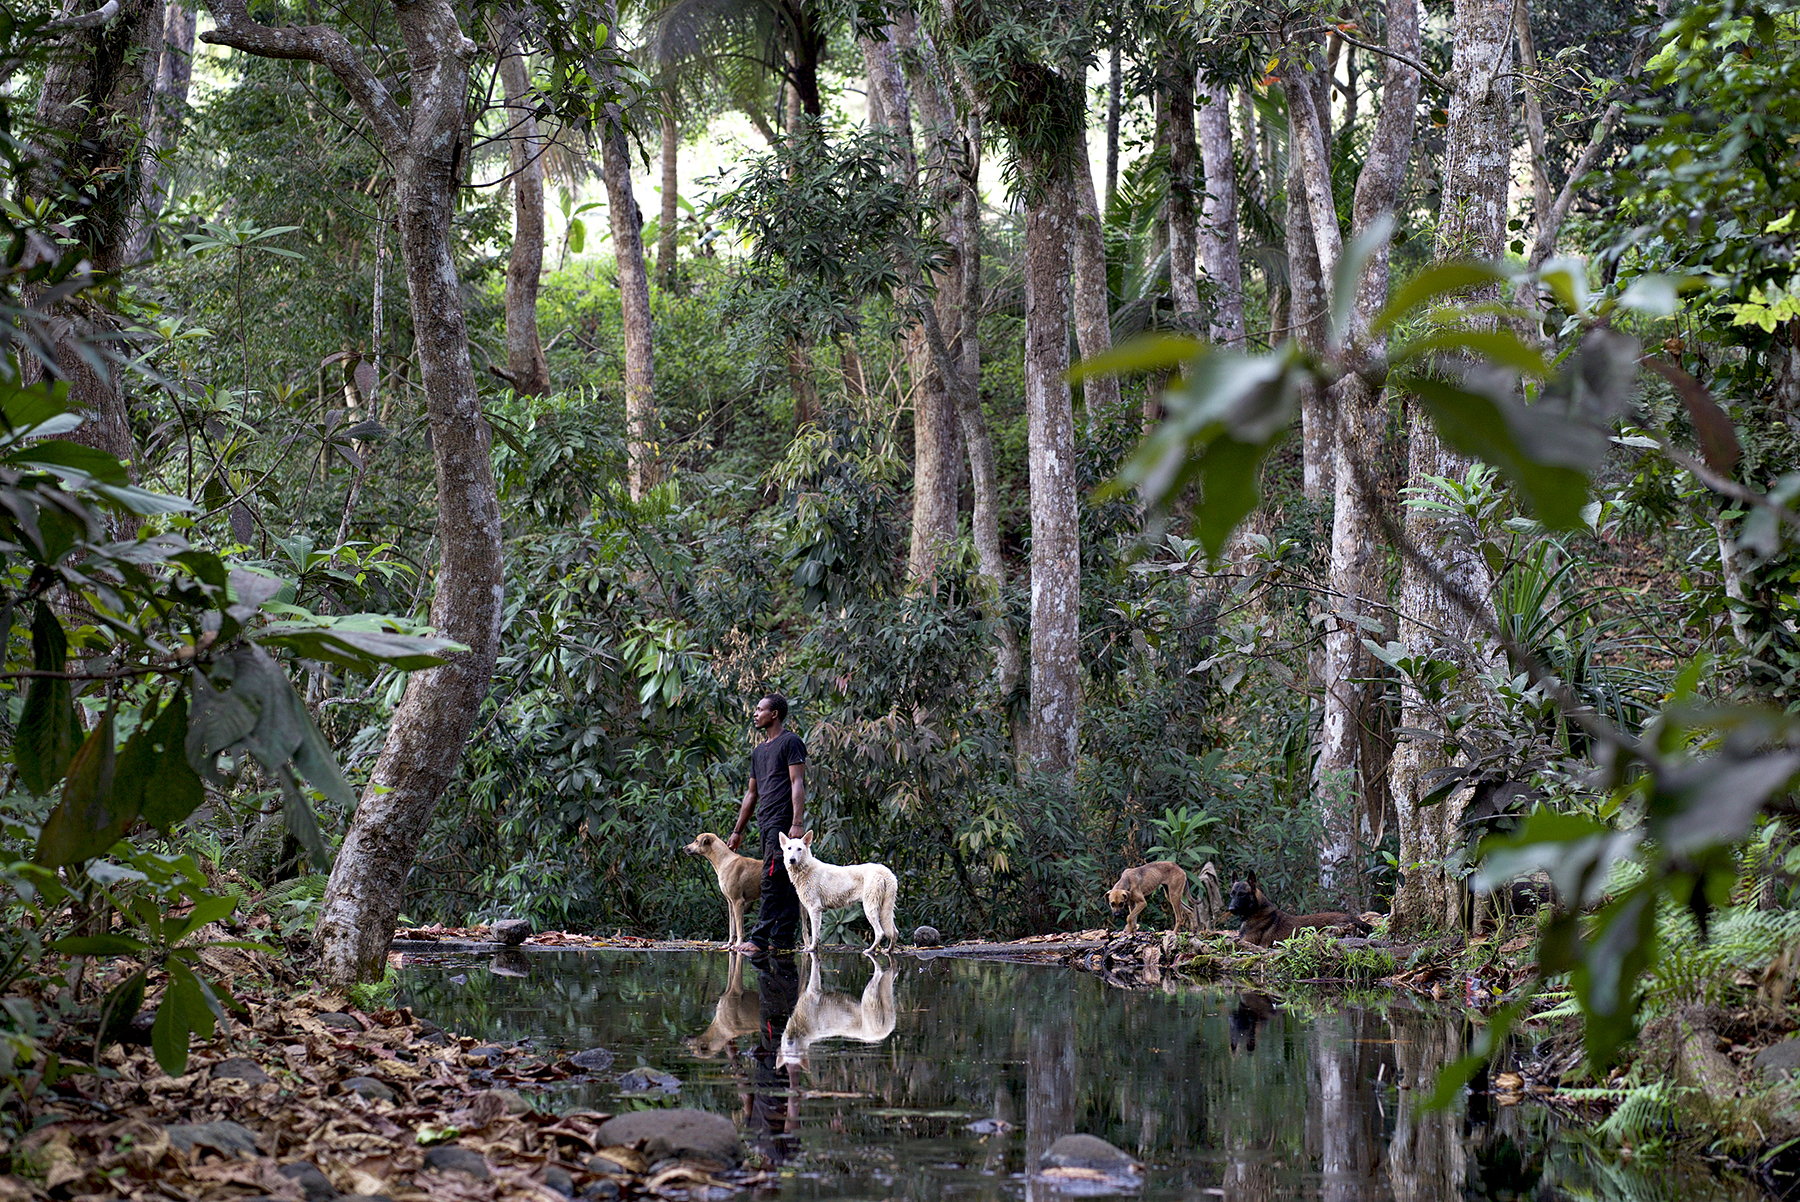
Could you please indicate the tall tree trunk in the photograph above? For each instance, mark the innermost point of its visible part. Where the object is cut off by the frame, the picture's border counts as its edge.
(937, 455)
(168, 111)
(1219, 230)
(1472, 224)
(1050, 228)
(1178, 115)
(1115, 89)
(1343, 782)
(96, 95)
(627, 224)
(1307, 325)
(1542, 193)
(425, 739)
(525, 363)
(671, 194)
(1092, 296)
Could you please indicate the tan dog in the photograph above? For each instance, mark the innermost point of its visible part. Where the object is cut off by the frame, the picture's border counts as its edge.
(820, 1015)
(740, 878)
(1135, 885)
(739, 1013)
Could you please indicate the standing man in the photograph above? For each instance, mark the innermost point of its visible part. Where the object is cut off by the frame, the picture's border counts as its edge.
(777, 796)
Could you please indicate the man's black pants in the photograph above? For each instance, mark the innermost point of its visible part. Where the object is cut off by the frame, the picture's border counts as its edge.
(778, 914)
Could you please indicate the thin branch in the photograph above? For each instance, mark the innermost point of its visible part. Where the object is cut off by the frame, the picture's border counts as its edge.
(100, 16)
(1425, 73)
(316, 44)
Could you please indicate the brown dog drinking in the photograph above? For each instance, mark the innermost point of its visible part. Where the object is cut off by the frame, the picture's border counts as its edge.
(1262, 925)
(1132, 891)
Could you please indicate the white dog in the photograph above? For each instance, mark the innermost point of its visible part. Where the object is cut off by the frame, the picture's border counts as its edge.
(823, 886)
(820, 1015)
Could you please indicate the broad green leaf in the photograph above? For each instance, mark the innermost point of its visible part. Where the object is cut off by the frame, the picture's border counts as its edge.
(1436, 281)
(1496, 346)
(210, 908)
(55, 454)
(155, 764)
(122, 1004)
(169, 1035)
(98, 945)
(577, 235)
(91, 816)
(1348, 272)
(300, 820)
(1606, 976)
(1542, 452)
(142, 501)
(1146, 352)
(1654, 295)
(29, 406)
(1718, 437)
(49, 730)
(362, 649)
(1714, 802)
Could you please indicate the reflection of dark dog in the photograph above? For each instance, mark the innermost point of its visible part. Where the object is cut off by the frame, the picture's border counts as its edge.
(1253, 1010)
(1132, 891)
(1262, 925)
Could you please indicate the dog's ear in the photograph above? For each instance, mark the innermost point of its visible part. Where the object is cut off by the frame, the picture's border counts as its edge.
(807, 838)
(1250, 878)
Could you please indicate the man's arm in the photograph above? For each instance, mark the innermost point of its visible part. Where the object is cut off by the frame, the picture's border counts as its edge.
(797, 777)
(744, 811)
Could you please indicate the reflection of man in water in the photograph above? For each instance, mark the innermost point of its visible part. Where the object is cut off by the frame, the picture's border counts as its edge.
(771, 1118)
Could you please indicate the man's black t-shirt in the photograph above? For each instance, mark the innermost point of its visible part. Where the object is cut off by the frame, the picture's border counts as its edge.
(769, 763)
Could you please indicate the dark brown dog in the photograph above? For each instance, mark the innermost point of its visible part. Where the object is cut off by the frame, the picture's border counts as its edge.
(1129, 894)
(1262, 925)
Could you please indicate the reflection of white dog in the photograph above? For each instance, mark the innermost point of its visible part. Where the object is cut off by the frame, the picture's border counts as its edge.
(823, 886)
(820, 1015)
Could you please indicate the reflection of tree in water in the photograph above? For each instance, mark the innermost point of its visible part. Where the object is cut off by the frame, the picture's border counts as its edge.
(1426, 1156)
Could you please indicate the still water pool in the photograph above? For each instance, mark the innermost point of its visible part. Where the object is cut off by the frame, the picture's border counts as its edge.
(948, 1078)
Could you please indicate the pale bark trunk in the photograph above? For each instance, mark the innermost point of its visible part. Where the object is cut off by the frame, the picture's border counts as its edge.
(671, 195)
(1348, 787)
(937, 453)
(526, 366)
(1731, 571)
(627, 225)
(1541, 192)
(1050, 219)
(174, 71)
(1115, 88)
(1306, 321)
(1178, 113)
(1092, 296)
(1219, 226)
(425, 739)
(1472, 224)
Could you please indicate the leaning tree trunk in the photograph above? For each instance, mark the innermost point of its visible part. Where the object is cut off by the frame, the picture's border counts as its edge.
(1219, 224)
(671, 195)
(527, 369)
(1343, 782)
(425, 739)
(627, 225)
(1178, 115)
(1472, 224)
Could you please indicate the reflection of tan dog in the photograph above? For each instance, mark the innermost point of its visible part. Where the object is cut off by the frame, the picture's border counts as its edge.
(1135, 885)
(738, 1013)
(740, 878)
(823, 887)
(820, 1015)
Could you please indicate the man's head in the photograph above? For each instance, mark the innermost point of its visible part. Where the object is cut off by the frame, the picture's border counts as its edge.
(770, 711)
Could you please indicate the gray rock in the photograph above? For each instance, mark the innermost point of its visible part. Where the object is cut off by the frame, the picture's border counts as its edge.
(316, 1186)
(559, 1180)
(364, 1198)
(430, 1032)
(239, 1068)
(233, 1139)
(685, 1133)
(927, 937)
(490, 1050)
(988, 1127)
(1090, 1152)
(1781, 1059)
(452, 1159)
(511, 931)
(515, 1101)
(605, 1189)
(338, 1022)
(369, 1088)
(594, 1060)
(648, 1080)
